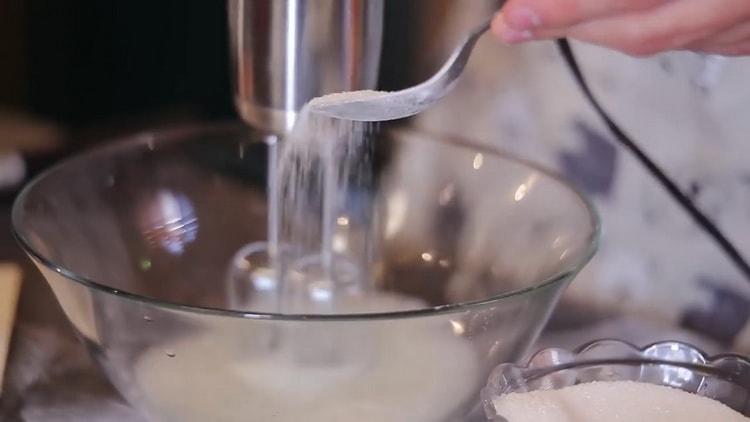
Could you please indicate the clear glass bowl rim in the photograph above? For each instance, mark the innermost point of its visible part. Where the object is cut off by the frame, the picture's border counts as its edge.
(151, 139)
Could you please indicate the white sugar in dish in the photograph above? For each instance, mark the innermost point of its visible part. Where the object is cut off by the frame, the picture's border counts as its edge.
(613, 401)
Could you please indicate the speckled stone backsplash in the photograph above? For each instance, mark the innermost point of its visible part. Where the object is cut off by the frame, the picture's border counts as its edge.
(690, 113)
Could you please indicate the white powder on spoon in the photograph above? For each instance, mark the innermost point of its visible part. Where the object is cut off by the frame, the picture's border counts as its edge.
(341, 98)
(369, 106)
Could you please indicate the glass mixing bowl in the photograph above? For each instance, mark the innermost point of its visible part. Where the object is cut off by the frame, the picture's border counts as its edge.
(725, 378)
(150, 246)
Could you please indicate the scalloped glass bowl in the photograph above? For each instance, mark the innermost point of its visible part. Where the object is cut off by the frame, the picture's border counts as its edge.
(725, 378)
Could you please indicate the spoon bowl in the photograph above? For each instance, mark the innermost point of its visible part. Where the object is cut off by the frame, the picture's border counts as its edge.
(407, 102)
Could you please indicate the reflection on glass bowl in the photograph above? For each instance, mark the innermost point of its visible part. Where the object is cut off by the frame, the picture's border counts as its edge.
(167, 220)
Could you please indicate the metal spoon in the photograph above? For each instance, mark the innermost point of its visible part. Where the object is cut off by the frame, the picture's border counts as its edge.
(407, 102)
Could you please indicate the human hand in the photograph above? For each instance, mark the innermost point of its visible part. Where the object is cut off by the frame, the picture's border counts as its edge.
(635, 27)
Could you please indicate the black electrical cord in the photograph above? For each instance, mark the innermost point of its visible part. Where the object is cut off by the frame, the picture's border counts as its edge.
(671, 187)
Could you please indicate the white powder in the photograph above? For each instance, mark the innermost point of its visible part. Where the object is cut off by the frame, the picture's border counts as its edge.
(396, 106)
(613, 401)
(415, 371)
(344, 97)
(321, 162)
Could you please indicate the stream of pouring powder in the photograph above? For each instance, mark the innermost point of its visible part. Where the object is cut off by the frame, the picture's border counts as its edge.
(317, 165)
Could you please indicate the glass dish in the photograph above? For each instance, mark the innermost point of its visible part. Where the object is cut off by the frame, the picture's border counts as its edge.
(725, 378)
(141, 241)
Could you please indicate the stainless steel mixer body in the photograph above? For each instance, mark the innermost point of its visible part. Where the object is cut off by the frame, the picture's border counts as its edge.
(286, 52)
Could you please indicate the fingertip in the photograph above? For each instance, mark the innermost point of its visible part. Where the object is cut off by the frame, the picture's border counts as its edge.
(498, 24)
(507, 33)
(521, 18)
